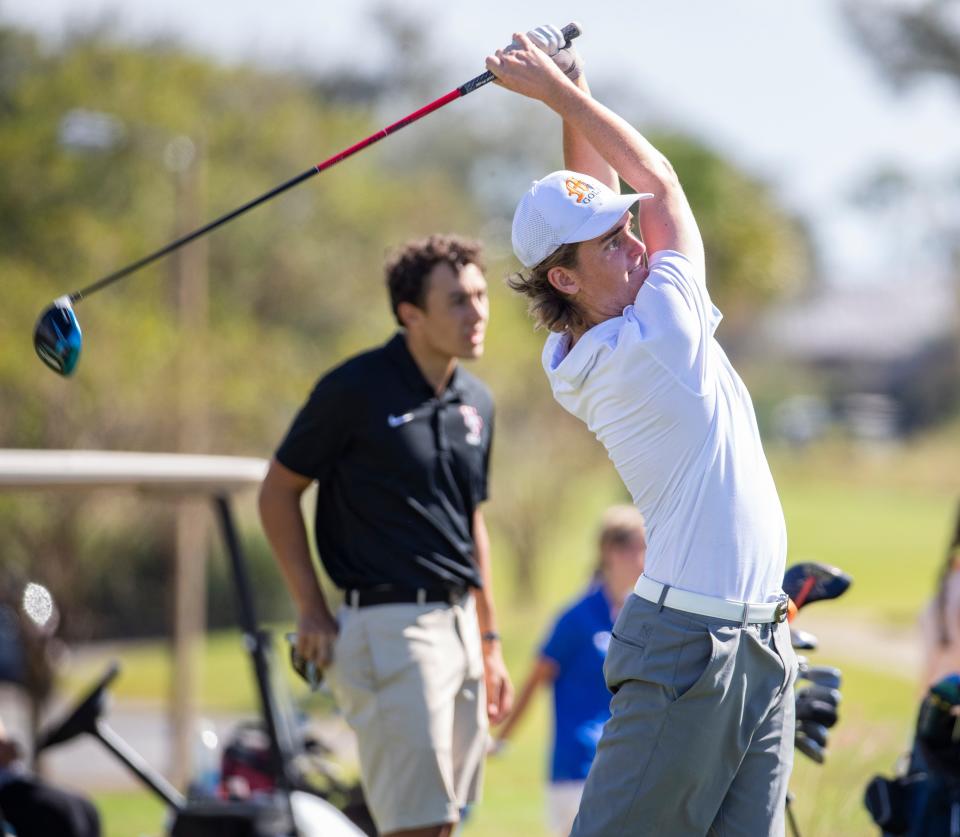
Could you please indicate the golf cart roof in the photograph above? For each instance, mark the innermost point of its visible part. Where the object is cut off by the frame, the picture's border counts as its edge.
(167, 472)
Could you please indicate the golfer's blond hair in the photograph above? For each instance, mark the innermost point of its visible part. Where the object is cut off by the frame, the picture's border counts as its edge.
(550, 309)
(620, 525)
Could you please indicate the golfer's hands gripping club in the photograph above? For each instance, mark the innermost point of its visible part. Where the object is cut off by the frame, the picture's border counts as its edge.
(553, 42)
(526, 69)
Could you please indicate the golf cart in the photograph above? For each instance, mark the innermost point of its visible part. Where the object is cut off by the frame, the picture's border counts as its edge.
(292, 807)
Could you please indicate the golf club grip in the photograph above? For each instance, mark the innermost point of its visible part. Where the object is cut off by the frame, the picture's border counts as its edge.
(570, 31)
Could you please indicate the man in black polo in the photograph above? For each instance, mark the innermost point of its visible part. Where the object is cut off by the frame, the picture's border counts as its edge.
(398, 441)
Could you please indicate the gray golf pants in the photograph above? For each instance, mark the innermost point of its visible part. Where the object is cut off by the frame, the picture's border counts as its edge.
(700, 741)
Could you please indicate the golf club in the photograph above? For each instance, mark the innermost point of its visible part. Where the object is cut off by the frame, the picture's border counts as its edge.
(812, 581)
(817, 733)
(818, 704)
(821, 676)
(828, 694)
(806, 745)
(57, 337)
(803, 640)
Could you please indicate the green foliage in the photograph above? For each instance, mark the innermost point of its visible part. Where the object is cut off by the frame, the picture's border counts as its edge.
(908, 42)
(292, 287)
(756, 253)
(124, 813)
(279, 295)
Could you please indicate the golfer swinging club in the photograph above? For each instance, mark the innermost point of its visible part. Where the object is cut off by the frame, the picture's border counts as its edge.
(700, 739)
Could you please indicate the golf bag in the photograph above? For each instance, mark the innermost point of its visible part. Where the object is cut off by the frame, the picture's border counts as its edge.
(924, 801)
(246, 767)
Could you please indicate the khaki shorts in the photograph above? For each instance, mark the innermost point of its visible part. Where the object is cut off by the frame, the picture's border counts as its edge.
(409, 680)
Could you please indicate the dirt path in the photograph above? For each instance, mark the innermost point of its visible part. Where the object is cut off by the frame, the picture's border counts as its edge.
(875, 645)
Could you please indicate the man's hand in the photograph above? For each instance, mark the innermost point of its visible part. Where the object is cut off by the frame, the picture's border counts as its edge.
(526, 69)
(551, 40)
(497, 681)
(316, 634)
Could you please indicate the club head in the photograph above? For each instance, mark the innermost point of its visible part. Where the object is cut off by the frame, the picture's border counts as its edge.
(817, 707)
(826, 676)
(803, 640)
(806, 745)
(812, 581)
(815, 732)
(824, 693)
(57, 337)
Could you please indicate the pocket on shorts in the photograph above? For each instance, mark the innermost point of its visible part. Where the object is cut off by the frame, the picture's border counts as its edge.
(695, 674)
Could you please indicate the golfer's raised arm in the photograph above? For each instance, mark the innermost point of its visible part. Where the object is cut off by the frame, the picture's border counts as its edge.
(666, 221)
(579, 153)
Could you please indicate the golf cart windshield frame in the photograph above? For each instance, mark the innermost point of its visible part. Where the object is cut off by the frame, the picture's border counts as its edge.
(168, 474)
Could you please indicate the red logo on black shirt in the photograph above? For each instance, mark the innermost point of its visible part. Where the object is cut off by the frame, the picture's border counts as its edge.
(474, 422)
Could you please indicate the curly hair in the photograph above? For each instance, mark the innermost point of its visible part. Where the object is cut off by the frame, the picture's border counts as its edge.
(408, 268)
(550, 308)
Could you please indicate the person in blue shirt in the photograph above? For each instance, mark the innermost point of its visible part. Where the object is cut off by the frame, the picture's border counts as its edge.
(571, 660)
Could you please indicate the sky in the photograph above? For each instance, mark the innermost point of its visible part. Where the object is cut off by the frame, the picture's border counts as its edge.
(780, 88)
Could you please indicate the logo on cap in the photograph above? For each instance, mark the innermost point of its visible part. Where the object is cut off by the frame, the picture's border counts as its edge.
(581, 190)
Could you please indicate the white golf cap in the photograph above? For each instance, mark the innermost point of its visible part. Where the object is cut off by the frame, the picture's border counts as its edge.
(562, 208)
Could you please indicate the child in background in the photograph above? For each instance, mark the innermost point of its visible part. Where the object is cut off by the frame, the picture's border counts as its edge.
(940, 621)
(571, 659)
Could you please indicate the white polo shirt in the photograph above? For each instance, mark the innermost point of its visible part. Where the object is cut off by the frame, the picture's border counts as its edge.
(657, 390)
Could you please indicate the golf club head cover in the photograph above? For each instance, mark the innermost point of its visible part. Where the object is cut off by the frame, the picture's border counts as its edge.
(818, 705)
(552, 41)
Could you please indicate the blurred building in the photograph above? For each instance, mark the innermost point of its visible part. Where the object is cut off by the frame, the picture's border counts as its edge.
(887, 355)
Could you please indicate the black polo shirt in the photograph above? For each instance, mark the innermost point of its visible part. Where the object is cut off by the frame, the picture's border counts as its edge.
(399, 470)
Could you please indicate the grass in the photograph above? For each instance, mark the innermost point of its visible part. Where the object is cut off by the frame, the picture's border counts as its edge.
(883, 516)
(130, 814)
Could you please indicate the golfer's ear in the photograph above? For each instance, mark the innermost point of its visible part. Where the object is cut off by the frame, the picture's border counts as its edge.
(410, 315)
(563, 280)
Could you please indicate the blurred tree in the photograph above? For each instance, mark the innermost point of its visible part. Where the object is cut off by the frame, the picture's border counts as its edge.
(908, 41)
(756, 251)
(295, 286)
(909, 44)
(292, 291)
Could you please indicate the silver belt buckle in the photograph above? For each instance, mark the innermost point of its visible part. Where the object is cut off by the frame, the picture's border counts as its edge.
(782, 610)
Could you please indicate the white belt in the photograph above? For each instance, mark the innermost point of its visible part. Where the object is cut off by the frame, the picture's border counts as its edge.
(747, 613)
